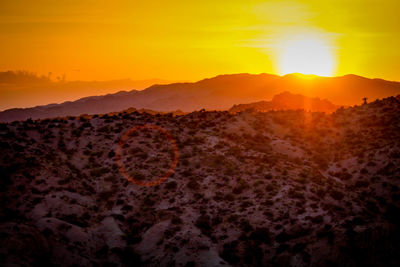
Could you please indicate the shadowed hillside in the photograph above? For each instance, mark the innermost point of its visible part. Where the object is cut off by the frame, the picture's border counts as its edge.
(277, 188)
(218, 93)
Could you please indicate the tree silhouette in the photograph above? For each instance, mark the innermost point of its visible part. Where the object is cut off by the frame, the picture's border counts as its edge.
(365, 100)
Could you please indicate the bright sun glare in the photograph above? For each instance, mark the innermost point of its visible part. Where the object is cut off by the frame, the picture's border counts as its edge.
(306, 56)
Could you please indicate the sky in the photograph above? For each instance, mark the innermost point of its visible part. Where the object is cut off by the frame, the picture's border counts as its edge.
(191, 40)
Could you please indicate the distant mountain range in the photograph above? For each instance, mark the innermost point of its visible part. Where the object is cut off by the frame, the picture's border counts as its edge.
(26, 89)
(219, 93)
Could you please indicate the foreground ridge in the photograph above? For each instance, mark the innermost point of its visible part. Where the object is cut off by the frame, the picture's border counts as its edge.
(250, 188)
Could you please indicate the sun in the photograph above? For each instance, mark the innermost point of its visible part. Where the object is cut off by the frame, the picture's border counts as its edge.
(306, 56)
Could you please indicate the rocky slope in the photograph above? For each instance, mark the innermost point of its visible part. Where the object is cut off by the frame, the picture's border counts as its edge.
(217, 93)
(250, 189)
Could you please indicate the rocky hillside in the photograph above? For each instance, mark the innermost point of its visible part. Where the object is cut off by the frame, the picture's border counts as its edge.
(288, 101)
(281, 188)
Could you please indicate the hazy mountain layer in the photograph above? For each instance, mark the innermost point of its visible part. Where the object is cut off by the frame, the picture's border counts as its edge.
(218, 93)
(25, 89)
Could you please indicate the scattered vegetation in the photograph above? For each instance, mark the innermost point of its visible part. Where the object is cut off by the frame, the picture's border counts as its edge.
(253, 188)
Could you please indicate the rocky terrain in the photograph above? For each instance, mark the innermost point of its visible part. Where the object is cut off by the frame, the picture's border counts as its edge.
(277, 188)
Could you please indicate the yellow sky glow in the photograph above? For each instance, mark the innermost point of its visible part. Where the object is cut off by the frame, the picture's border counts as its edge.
(190, 40)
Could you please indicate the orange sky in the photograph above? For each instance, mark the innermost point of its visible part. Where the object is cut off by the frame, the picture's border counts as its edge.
(191, 40)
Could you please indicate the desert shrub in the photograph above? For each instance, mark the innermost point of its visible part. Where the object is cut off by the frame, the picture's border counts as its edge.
(253, 254)
(64, 181)
(217, 197)
(171, 185)
(317, 219)
(142, 155)
(326, 232)
(21, 188)
(234, 150)
(261, 234)
(193, 184)
(361, 184)
(268, 176)
(337, 195)
(293, 193)
(104, 129)
(203, 223)
(86, 124)
(282, 248)
(176, 220)
(149, 201)
(229, 197)
(245, 226)
(388, 169)
(171, 231)
(320, 192)
(395, 154)
(299, 247)
(98, 172)
(345, 176)
(36, 200)
(185, 162)
(317, 178)
(238, 189)
(246, 204)
(371, 163)
(230, 252)
(127, 208)
(220, 145)
(104, 195)
(269, 187)
(216, 220)
(321, 161)
(302, 180)
(198, 140)
(138, 176)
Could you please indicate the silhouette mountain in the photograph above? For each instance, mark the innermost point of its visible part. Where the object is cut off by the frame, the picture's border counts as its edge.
(20, 89)
(220, 92)
(286, 101)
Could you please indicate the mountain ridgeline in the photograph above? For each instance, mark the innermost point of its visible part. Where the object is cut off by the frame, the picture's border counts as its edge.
(218, 93)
